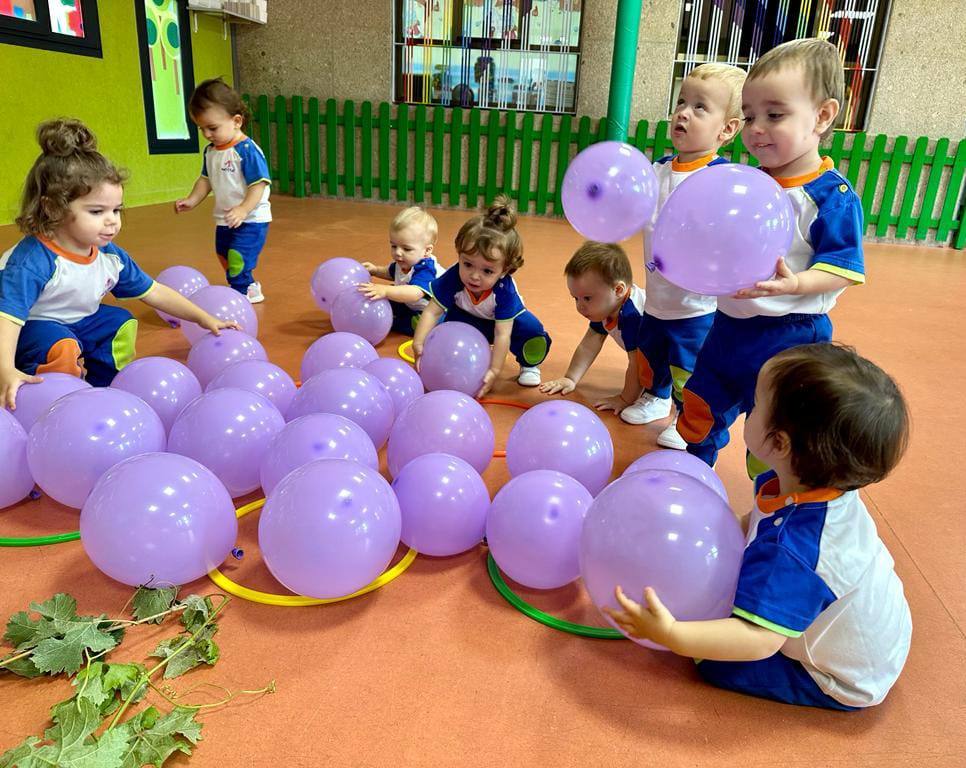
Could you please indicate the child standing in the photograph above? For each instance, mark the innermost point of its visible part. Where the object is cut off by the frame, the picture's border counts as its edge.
(412, 237)
(820, 617)
(53, 280)
(675, 321)
(480, 291)
(790, 101)
(600, 279)
(234, 167)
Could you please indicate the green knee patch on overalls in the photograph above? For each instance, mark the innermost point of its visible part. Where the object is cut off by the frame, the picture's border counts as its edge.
(535, 350)
(122, 346)
(236, 263)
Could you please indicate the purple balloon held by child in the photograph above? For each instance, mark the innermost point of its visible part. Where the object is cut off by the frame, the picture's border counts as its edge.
(455, 356)
(354, 313)
(334, 275)
(680, 461)
(184, 280)
(34, 400)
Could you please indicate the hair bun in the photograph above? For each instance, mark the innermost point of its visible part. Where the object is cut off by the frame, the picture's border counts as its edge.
(65, 137)
(501, 215)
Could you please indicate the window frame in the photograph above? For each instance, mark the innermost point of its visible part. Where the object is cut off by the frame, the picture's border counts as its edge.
(38, 34)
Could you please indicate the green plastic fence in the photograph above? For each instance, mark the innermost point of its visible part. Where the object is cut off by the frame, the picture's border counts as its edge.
(380, 151)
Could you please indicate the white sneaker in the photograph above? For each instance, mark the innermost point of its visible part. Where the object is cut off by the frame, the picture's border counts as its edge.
(671, 438)
(255, 295)
(646, 408)
(529, 376)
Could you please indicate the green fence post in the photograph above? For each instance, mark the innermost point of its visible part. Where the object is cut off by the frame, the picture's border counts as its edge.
(332, 146)
(419, 155)
(926, 221)
(349, 147)
(366, 145)
(265, 130)
(872, 179)
(906, 218)
(315, 157)
(402, 152)
(455, 153)
(856, 154)
(954, 188)
(509, 152)
(493, 132)
(563, 160)
(897, 159)
(298, 146)
(281, 143)
(473, 161)
(439, 133)
(526, 161)
(543, 162)
(385, 161)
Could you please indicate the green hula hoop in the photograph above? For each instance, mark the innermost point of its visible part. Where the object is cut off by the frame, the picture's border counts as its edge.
(600, 633)
(40, 541)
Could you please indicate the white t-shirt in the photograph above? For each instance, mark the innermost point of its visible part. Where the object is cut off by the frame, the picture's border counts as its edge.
(231, 169)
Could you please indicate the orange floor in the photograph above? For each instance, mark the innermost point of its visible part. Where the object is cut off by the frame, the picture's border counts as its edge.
(436, 669)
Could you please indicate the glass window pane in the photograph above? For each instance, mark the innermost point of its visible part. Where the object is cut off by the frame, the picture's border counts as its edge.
(18, 9)
(66, 17)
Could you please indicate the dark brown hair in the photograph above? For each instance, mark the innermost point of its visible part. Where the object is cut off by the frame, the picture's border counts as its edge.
(492, 231)
(217, 93)
(69, 167)
(606, 259)
(845, 417)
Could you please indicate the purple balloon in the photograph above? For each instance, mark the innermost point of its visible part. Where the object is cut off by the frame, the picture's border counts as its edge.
(184, 280)
(336, 350)
(34, 400)
(349, 392)
(442, 422)
(261, 377)
(158, 519)
(316, 436)
(86, 433)
(399, 378)
(354, 313)
(722, 230)
(332, 276)
(609, 191)
(564, 436)
(15, 480)
(329, 528)
(683, 462)
(443, 501)
(164, 384)
(226, 304)
(533, 528)
(211, 354)
(229, 431)
(662, 529)
(455, 356)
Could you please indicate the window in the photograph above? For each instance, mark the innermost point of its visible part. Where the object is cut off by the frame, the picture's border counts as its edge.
(503, 54)
(738, 32)
(69, 26)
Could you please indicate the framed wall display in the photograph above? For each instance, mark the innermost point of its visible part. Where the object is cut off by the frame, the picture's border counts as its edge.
(66, 26)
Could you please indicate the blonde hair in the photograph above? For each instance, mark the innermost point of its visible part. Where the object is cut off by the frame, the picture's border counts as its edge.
(821, 66)
(414, 216)
(733, 77)
(606, 259)
(492, 231)
(69, 167)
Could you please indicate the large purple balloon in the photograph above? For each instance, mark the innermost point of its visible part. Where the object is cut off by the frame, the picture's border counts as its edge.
(329, 528)
(164, 384)
(15, 479)
(211, 354)
(609, 191)
(722, 230)
(158, 519)
(349, 392)
(683, 462)
(311, 437)
(442, 422)
(229, 431)
(260, 376)
(352, 312)
(662, 529)
(226, 304)
(86, 433)
(455, 356)
(443, 501)
(33, 400)
(332, 276)
(399, 378)
(184, 280)
(336, 350)
(565, 436)
(533, 528)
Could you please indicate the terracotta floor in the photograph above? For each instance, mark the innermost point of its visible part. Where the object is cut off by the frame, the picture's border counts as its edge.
(436, 669)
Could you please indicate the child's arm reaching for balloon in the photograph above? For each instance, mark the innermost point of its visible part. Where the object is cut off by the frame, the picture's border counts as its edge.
(10, 378)
(786, 282)
(375, 270)
(630, 392)
(501, 345)
(719, 639)
(166, 299)
(404, 294)
(582, 359)
(427, 321)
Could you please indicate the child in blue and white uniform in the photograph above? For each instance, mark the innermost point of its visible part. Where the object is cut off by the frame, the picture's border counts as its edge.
(234, 167)
(790, 101)
(820, 617)
(53, 280)
(675, 321)
(480, 291)
(412, 238)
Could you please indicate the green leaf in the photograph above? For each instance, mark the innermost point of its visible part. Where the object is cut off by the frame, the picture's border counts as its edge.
(202, 650)
(61, 607)
(66, 654)
(23, 632)
(153, 739)
(23, 667)
(196, 612)
(150, 602)
(16, 756)
(101, 683)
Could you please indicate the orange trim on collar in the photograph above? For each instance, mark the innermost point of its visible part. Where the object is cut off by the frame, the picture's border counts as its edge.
(701, 162)
(475, 300)
(799, 181)
(776, 500)
(67, 254)
(610, 322)
(231, 143)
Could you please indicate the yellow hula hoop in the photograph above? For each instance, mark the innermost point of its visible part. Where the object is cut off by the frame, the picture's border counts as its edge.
(297, 601)
(406, 351)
